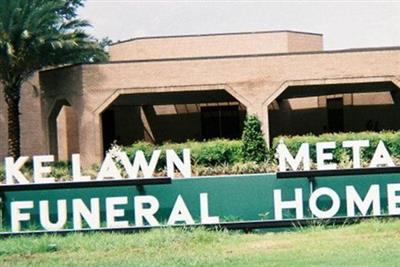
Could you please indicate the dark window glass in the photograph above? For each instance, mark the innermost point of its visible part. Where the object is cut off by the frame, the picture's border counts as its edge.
(220, 122)
(335, 114)
(108, 123)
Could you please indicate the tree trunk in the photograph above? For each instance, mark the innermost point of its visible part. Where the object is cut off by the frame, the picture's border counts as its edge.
(12, 97)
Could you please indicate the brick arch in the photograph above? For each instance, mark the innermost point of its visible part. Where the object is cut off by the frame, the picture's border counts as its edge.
(98, 110)
(125, 91)
(57, 105)
(329, 83)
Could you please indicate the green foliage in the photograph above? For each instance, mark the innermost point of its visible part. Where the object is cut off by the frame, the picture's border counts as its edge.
(341, 154)
(225, 157)
(217, 152)
(35, 34)
(210, 153)
(40, 33)
(254, 146)
(61, 170)
(232, 169)
(2, 173)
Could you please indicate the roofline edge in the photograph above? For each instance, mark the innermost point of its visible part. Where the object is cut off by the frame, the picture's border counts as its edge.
(353, 50)
(211, 34)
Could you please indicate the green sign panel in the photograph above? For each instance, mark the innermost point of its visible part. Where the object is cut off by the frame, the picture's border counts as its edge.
(205, 200)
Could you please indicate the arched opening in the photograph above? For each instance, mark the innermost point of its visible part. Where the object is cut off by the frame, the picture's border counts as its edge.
(63, 131)
(352, 107)
(172, 117)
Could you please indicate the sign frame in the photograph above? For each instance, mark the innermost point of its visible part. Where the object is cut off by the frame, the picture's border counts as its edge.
(247, 226)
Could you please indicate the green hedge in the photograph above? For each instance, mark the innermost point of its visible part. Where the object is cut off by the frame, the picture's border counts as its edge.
(221, 156)
(209, 153)
(390, 138)
(2, 173)
(222, 152)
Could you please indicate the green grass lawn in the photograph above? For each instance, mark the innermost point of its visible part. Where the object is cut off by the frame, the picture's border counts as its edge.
(372, 243)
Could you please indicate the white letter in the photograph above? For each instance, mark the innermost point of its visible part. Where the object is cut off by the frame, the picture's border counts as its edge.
(180, 213)
(140, 163)
(297, 203)
(76, 169)
(381, 157)
(204, 214)
(13, 170)
(17, 216)
(322, 157)
(393, 199)
(303, 155)
(356, 146)
(39, 169)
(45, 215)
(108, 169)
(79, 210)
(112, 212)
(324, 213)
(148, 213)
(372, 197)
(173, 160)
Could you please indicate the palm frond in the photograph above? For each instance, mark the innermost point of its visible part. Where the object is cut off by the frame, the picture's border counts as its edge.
(39, 33)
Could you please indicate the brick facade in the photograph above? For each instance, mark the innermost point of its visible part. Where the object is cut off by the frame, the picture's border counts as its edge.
(254, 68)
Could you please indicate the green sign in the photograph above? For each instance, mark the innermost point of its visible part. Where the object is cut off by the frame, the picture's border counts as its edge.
(206, 200)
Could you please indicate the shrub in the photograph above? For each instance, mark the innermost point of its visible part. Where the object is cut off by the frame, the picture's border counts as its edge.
(147, 149)
(254, 146)
(209, 153)
(2, 173)
(216, 152)
(61, 170)
(237, 168)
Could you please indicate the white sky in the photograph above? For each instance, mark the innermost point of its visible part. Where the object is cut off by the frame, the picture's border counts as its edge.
(345, 24)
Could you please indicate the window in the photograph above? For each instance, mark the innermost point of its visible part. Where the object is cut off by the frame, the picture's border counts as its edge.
(220, 122)
(335, 114)
(108, 123)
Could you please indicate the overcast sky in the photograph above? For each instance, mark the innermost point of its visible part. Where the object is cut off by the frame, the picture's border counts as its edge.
(345, 24)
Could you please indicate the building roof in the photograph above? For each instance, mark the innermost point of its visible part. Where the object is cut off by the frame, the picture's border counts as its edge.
(220, 44)
(351, 50)
(213, 34)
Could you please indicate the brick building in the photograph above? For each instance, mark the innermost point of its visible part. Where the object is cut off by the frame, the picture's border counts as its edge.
(201, 86)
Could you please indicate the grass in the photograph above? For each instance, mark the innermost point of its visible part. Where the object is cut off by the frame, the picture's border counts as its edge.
(372, 243)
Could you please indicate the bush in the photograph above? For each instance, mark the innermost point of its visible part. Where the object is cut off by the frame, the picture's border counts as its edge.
(216, 152)
(2, 173)
(221, 156)
(209, 153)
(254, 146)
(341, 154)
(61, 170)
(237, 168)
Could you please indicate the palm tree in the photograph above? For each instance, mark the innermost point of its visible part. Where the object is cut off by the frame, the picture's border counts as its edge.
(35, 34)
